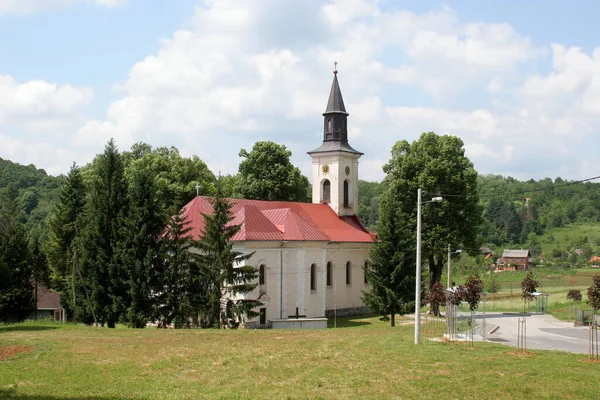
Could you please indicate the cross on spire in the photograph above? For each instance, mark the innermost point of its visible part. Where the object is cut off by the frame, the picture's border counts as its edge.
(335, 67)
(197, 187)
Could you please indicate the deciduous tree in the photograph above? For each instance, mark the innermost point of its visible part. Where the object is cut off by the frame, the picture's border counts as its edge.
(437, 165)
(266, 173)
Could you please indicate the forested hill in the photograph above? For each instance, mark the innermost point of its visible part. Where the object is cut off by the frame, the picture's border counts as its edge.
(508, 219)
(38, 192)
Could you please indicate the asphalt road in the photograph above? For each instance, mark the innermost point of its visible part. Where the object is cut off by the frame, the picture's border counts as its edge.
(544, 332)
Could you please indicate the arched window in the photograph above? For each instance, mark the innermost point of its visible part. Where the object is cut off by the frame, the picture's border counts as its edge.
(326, 191)
(330, 125)
(313, 277)
(365, 269)
(329, 274)
(346, 194)
(348, 273)
(262, 278)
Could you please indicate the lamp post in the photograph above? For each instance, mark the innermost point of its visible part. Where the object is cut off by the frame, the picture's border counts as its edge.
(449, 263)
(418, 284)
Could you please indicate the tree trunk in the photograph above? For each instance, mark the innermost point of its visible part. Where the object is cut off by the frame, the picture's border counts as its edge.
(393, 319)
(435, 276)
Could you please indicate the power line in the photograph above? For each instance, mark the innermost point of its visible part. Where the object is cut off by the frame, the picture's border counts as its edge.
(516, 193)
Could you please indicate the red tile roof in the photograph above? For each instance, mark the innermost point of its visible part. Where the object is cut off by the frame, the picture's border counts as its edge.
(281, 220)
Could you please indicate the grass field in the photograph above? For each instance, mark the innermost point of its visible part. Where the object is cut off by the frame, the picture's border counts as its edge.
(363, 358)
(557, 237)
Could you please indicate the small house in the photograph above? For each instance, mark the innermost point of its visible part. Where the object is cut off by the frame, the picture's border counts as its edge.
(514, 260)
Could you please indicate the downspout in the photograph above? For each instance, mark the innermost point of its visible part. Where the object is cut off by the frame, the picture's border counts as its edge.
(281, 280)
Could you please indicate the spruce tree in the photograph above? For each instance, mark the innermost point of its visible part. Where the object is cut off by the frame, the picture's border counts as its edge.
(391, 274)
(65, 224)
(143, 249)
(16, 290)
(103, 236)
(178, 296)
(227, 278)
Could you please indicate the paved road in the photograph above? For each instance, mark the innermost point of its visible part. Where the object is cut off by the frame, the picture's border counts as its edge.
(544, 332)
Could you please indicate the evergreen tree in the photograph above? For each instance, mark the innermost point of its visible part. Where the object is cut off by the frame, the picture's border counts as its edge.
(227, 279)
(65, 225)
(104, 235)
(142, 252)
(16, 290)
(391, 274)
(179, 295)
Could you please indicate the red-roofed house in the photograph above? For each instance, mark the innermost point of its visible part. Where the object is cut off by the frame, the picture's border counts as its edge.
(310, 256)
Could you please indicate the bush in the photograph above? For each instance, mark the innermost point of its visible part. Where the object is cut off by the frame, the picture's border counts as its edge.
(493, 285)
(574, 295)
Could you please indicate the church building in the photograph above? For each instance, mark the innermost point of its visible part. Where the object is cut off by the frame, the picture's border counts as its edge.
(310, 257)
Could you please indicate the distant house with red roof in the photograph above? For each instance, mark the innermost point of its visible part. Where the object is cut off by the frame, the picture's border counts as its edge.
(310, 256)
(513, 260)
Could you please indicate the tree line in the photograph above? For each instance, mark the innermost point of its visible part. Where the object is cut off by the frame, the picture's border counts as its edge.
(117, 250)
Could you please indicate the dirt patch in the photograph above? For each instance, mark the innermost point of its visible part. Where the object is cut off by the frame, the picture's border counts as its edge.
(592, 361)
(7, 352)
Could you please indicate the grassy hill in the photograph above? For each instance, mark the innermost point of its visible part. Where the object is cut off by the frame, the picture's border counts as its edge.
(571, 236)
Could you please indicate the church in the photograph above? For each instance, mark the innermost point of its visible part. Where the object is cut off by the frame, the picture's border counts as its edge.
(310, 256)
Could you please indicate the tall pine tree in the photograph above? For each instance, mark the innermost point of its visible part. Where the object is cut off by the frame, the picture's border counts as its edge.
(65, 225)
(104, 236)
(179, 296)
(228, 278)
(392, 262)
(143, 250)
(16, 290)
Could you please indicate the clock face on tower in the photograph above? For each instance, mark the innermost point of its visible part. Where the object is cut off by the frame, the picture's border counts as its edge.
(325, 168)
(347, 170)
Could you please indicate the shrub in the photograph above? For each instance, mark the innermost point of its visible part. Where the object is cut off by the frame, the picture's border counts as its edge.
(593, 293)
(493, 284)
(574, 295)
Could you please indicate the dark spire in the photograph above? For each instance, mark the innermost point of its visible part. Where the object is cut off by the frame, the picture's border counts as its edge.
(336, 102)
(335, 129)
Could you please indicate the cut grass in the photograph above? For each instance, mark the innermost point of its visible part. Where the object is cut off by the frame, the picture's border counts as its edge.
(365, 359)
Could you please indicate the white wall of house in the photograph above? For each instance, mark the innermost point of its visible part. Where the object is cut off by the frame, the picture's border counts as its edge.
(288, 277)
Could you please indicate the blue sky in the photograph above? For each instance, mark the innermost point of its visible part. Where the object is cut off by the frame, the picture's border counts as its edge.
(519, 82)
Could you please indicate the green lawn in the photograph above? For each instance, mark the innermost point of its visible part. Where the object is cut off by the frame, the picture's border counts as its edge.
(363, 358)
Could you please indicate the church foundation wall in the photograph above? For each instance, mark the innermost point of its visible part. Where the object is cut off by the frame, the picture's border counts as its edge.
(347, 312)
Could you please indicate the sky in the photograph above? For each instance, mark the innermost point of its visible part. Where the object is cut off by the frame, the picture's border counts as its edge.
(517, 81)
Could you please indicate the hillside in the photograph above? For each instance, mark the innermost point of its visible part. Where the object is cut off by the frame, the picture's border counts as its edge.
(38, 192)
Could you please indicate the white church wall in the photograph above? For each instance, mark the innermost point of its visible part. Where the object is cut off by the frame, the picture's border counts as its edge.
(283, 293)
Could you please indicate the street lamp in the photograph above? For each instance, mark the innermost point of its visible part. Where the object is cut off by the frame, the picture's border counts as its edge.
(418, 284)
(449, 265)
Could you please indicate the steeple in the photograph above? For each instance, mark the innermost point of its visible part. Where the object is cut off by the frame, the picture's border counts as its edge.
(335, 162)
(335, 124)
(336, 102)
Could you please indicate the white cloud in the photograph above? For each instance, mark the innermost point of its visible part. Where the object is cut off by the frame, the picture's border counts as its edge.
(39, 101)
(248, 71)
(31, 6)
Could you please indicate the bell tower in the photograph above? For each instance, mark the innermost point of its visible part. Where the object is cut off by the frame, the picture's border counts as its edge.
(335, 162)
